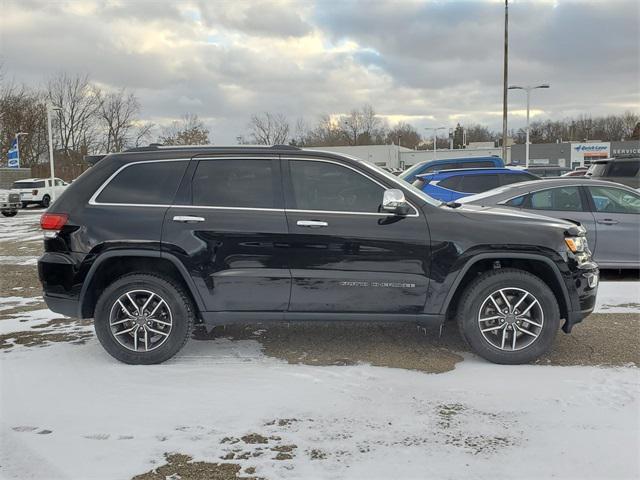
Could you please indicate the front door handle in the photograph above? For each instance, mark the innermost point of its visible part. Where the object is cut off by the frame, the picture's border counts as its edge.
(311, 223)
(608, 221)
(187, 219)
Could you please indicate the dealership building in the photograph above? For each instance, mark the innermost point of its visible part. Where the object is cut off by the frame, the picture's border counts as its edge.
(572, 154)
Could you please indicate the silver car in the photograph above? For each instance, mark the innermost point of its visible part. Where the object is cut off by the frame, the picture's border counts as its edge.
(609, 211)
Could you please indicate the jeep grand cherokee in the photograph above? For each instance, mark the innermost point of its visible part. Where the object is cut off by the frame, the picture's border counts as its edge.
(150, 242)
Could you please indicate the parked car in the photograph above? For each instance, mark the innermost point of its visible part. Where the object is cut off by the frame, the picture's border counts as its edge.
(216, 235)
(9, 203)
(451, 185)
(625, 170)
(609, 211)
(431, 166)
(38, 190)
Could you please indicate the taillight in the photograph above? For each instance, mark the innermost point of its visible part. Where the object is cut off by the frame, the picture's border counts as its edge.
(53, 221)
(34, 192)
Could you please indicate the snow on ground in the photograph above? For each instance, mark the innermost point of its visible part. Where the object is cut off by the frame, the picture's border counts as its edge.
(80, 414)
(618, 297)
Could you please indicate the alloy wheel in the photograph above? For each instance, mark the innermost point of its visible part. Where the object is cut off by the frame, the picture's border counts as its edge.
(511, 319)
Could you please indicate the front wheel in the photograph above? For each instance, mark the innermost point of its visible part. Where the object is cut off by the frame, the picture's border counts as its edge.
(9, 213)
(46, 200)
(508, 316)
(143, 319)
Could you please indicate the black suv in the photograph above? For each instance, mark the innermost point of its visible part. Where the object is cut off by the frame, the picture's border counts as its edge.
(151, 241)
(625, 170)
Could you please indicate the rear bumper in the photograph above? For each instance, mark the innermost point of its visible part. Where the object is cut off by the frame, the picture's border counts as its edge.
(70, 307)
(58, 274)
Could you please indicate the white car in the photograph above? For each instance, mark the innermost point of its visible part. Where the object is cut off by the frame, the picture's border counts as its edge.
(38, 190)
(9, 203)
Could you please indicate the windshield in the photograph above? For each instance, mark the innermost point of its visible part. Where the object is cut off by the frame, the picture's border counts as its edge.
(400, 182)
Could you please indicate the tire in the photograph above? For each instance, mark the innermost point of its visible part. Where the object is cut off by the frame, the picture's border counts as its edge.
(9, 213)
(477, 312)
(24, 204)
(108, 311)
(46, 200)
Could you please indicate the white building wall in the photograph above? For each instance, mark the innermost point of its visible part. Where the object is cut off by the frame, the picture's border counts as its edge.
(412, 157)
(381, 155)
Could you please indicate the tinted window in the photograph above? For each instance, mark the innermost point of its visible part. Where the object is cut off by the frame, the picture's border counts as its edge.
(615, 200)
(327, 186)
(151, 183)
(451, 183)
(478, 183)
(624, 169)
(597, 169)
(459, 165)
(564, 198)
(234, 183)
(508, 178)
(21, 185)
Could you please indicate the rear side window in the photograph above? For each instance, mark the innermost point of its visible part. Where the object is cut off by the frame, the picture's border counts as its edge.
(330, 187)
(615, 200)
(624, 169)
(479, 183)
(565, 199)
(23, 185)
(234, 183)
(451, 183)
(148, 183)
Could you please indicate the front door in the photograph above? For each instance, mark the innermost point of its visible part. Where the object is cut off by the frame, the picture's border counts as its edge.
(228, 227)
(617, 215)
(345, 256)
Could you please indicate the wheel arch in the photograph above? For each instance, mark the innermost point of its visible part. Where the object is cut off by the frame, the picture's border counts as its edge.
(539, 265)
(108, 267)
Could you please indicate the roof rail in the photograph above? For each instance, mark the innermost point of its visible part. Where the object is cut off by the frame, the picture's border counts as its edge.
(286, 147)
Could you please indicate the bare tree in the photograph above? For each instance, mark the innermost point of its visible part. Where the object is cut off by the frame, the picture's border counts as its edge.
(405, 135)
(269, 129)
(189, 130)
(117, 114)
(77, 102)
(143, 133)
(363, 127)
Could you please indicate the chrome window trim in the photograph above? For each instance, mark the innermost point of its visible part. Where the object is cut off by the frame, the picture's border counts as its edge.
(312, 159)
(92, 200)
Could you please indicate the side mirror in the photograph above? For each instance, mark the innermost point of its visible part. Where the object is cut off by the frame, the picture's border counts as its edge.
(393, 201)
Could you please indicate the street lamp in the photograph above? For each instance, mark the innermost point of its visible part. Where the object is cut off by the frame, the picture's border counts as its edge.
(435, 134)
(528, 89)
(53, 181)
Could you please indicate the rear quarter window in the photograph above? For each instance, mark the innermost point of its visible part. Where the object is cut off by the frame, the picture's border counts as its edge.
(624, 169)
(148, 183)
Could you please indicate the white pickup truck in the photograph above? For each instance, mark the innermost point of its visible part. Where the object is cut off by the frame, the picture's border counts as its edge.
(38, 190)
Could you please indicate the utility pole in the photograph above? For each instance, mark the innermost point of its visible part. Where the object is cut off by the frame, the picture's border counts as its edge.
(505, 80)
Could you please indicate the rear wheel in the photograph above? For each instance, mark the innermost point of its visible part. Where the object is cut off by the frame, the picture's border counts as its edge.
(143, 319)
(24, 204)
(509, 316)
(46, 200)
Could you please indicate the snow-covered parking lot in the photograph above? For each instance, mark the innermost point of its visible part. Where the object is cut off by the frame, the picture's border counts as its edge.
(310, 401)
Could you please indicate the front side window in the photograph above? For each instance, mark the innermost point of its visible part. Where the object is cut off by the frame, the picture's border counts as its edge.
(148, 183)
(615, 200)
(563, 199)
(331, 187)
(479, 183)
(516, 202)
(234, 183)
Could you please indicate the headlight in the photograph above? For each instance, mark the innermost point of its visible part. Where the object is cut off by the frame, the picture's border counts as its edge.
(3, 198)
(576, 244)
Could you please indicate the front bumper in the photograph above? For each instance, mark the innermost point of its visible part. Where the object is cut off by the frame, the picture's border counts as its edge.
(9, 206)
(583, 287)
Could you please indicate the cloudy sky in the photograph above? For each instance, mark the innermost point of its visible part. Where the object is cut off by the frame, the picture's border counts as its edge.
(430, 63)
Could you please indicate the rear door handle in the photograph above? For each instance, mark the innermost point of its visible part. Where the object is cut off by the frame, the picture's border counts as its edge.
(608, 221)
(187, 219)
(311, 223)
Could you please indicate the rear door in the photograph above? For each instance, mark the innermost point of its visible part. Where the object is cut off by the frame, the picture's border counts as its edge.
(228, 227)
(346, 256)
(617, 217)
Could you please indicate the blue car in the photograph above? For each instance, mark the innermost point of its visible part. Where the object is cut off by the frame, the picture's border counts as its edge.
(450, 185)
(431, 166)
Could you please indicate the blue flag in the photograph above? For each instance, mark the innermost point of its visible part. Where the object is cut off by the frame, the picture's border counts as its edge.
(14, 155)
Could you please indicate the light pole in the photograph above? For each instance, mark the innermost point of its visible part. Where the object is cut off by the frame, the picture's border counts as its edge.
(528, 89)
(53, 181)
(435, 134)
